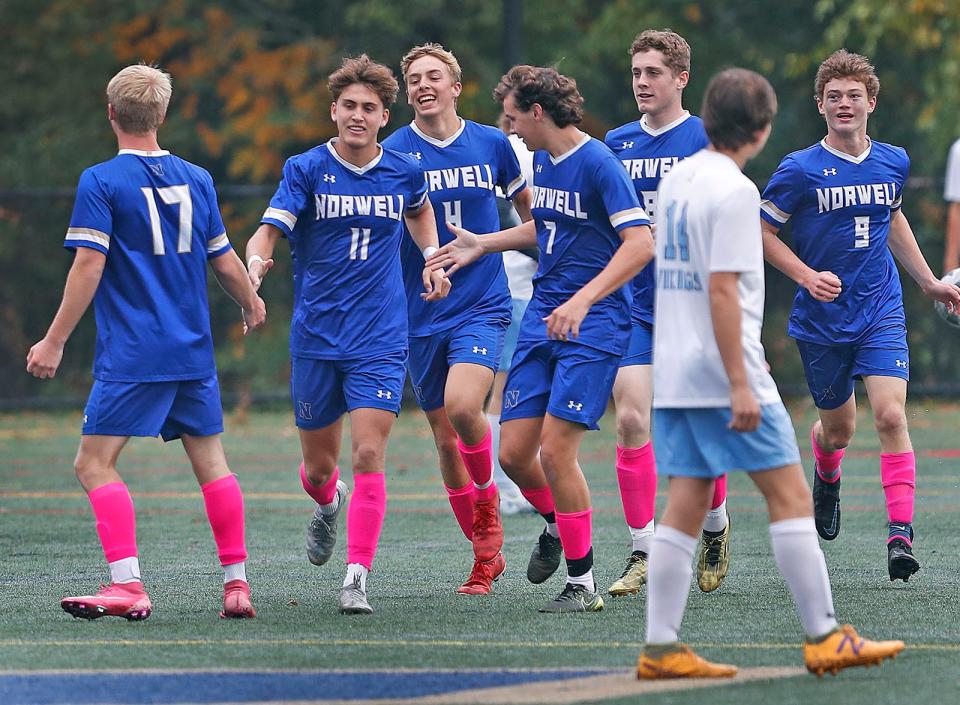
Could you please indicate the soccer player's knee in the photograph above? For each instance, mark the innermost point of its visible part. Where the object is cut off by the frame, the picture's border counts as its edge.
(633, 427)
(319, 473)
(368, 456)
(462, 416)
(88, 470)
(890, 420)
(838, 435)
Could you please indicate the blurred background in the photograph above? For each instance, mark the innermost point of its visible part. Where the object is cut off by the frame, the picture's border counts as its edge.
(250, 89)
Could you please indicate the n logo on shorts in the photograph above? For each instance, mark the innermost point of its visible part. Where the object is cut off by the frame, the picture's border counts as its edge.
(511, 398)
(304, 410)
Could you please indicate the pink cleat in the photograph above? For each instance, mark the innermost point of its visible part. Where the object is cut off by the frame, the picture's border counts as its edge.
(127, 600)
(236, 601)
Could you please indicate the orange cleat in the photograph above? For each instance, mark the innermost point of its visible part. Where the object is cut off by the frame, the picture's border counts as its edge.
(236, 601)
(681, 663)
(127, 600)
(844, 648)
(483, 576)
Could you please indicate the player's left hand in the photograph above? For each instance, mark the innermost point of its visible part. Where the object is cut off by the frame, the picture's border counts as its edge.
(947, 294)
(436, 284)
(44, 359)
(745, 409)
(564, 322)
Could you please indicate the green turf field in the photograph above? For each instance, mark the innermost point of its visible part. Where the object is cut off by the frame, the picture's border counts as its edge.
(49, 549)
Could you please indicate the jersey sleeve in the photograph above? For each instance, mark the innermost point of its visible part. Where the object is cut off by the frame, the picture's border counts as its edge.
(290, 199)
(417, 191)
(511, 178)
(618, 195)
(91, 223)
(217, 241)
(951, 189)
(904, 175)
(737, 243)
(782, 195)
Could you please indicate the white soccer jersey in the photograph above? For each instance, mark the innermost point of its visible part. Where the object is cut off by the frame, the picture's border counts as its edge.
(951, 189)
(708, 221)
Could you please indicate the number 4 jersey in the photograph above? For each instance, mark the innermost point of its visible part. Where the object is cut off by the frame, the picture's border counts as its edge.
(345, 225)
(840, 207)
(156, 219)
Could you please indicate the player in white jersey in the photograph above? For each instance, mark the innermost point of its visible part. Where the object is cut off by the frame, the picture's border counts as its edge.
(951, 194)
(716, 408)
(649, 148)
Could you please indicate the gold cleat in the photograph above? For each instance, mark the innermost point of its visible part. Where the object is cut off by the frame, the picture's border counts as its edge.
(633, 578)
(844, 648)
(681, 663)
(714, 559)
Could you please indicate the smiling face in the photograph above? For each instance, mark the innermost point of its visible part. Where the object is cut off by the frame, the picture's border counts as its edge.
(526, 125)
(359, 115)
(845, 106)
(431, 90)
(655, 87)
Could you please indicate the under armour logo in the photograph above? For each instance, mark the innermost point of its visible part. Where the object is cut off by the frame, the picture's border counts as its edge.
(416, 155)
(575, 405)
(384, 394)
(627, 145)
(330, 178)
(829, 172)
(156, 169)
(304, 410)
(539, 168)
(84, 418)
(902, 363)
(481, 351)
(511, 398)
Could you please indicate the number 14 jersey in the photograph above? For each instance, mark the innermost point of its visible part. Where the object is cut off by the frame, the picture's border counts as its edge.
(841, 207)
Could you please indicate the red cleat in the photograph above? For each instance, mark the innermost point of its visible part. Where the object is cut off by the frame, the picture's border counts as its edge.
(487, 529)
(127, 600)
(236, 601)
(483, 575)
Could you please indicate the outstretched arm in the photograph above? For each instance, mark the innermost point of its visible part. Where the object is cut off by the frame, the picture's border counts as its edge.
(236, 282)
(903, 244)
(82, 282)
(260, 248)
(468, 247)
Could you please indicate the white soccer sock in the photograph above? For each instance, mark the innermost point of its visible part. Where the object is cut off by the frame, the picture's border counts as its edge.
(126, 570)
(328, 509)
(235, 571)
(553, 530)
(586, 580)
(668, 583)
(802, 565)
(716, 520)
(642, 537)
(353, 570)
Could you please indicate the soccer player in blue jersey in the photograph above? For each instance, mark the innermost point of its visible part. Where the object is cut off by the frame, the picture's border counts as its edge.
(455, 344)
(649, 148)
(144, 226)
(342, 207)
(716, 407)
(593, 238)
(843, 196)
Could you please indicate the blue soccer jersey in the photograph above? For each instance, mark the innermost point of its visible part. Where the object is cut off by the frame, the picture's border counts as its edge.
(840, 207)
(583, 199)
(155, 217)
(462, 173)
(648, 154)
(345, 225)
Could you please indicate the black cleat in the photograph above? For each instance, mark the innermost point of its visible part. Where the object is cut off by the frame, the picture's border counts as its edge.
(545, 558)
(900, 560)
(826, 507)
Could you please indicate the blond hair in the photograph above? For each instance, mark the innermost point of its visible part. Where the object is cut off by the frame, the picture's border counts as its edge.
(436, 51)
(140, 95)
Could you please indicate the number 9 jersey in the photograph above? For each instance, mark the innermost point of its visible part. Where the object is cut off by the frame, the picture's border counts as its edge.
(155, 217)
(841, 207)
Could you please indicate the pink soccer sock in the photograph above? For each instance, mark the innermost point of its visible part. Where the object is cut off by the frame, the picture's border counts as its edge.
(719, 492)
(828, 464)
(116, 520)
(461, 501)
(224, 503)
(575, 533)
(324, 493)
(637, 476)
(898, 472)
(540, 499)
(478, 460)
(365, 517)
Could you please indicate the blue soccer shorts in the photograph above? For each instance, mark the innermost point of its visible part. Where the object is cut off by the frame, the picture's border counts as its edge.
(640, 349)
(324, 390)
(571, 381)
(432, 356)
(697, 442)
(831, 369)
(166, 409)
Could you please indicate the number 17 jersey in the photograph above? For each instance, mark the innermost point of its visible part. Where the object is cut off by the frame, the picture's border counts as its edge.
(841, 207)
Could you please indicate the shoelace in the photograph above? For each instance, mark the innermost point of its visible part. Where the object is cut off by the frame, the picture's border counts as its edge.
(713, 547)
(631, 561)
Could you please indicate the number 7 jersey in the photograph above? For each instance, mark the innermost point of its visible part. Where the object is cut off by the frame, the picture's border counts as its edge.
(840, 207)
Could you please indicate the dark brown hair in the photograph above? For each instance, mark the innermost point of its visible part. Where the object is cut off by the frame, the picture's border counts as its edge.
(363, 69)
(738, 104)
(555, 93)
(843, 64)
(675, 50)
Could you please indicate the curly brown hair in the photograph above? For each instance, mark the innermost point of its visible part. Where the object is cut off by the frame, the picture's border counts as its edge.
(363, 69)
(555, 93)
(675, 50)
(844, 64)
(738, 103)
